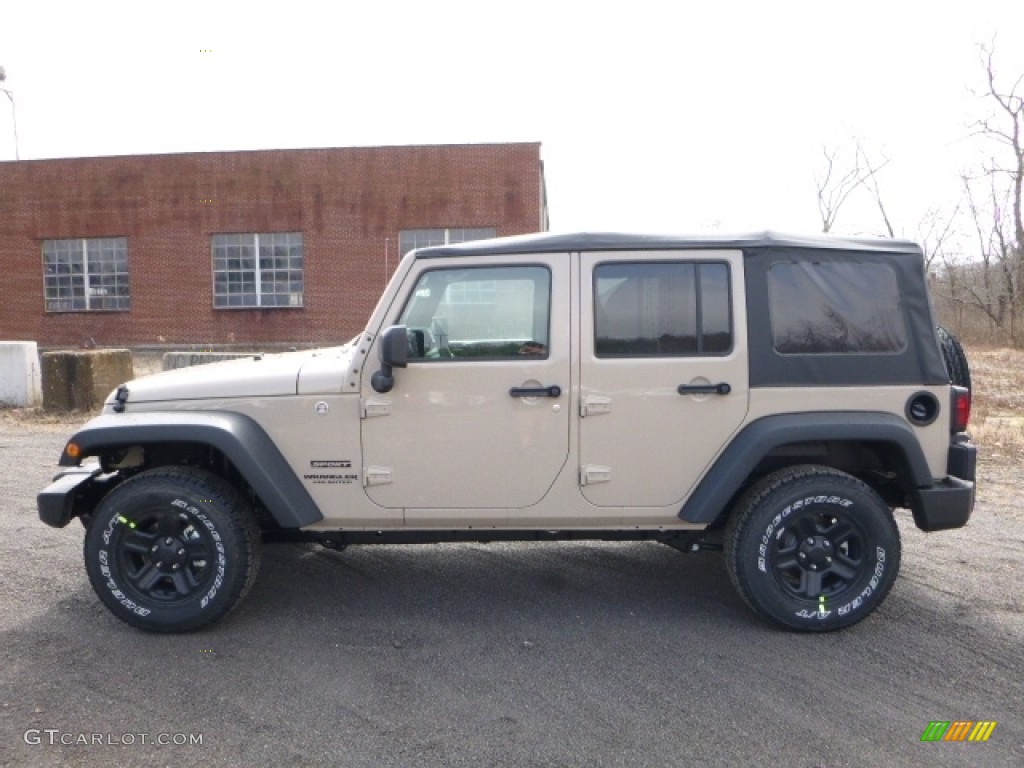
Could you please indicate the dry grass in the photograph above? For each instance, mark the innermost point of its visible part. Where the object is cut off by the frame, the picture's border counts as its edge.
(997, 410)
(12, 418)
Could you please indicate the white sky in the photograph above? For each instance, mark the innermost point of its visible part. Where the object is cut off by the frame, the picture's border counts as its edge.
(653, 116)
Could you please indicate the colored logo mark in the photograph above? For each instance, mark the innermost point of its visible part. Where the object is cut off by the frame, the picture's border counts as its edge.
(958, 730)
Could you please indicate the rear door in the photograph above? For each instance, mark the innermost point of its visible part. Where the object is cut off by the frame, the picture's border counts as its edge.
(664, 377)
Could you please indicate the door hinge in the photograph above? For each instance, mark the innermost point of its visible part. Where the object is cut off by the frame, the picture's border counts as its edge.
(376, 476)
(371, 407)
(591, 474)
(594, 405)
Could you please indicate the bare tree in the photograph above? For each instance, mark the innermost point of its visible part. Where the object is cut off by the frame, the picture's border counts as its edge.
(995, 284)
(1007, 128)
(988, 283)
(936, 232)
(871, 185)
(835, 185)
(984, 282)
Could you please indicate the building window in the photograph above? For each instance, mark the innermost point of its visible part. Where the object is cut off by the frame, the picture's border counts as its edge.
(257, 270)
(411, 239)
(662, 310)
(477, 292)
(86, 274)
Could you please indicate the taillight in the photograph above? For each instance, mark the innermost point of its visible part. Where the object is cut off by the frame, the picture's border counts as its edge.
(961, 409)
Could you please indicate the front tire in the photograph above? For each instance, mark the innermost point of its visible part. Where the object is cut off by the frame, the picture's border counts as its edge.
(812, 548)
(172, 549)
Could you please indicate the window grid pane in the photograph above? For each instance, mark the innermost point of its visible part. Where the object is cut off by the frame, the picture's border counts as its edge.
(466, 235)
(411, 239)
(86, 274)
(258, 270)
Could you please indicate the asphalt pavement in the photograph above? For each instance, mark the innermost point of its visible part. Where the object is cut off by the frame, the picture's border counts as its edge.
(579, 654)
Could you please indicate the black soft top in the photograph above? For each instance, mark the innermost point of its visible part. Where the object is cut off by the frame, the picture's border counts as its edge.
(919, 362)
(613, 241)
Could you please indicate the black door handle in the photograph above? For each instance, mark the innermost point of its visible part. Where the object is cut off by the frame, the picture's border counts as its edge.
(704, 389)
(552, 391)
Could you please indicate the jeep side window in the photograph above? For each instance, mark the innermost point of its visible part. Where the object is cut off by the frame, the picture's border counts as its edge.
(480, 313)
(835, 308)
(662, 309)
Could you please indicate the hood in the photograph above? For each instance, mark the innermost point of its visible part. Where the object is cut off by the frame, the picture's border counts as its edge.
(262, 375)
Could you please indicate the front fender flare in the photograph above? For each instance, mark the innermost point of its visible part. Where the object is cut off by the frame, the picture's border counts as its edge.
(244, 442)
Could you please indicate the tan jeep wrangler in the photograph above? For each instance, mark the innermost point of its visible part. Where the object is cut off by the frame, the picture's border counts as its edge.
(768, 396)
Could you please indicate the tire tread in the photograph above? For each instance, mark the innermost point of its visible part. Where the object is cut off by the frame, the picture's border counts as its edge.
(241, 521)
(742, 518)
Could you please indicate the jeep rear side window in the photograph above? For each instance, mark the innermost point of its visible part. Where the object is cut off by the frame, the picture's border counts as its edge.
(835, 309)
(662, 310)
(480, 313)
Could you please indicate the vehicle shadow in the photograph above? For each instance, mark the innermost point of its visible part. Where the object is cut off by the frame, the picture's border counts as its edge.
(467, 583)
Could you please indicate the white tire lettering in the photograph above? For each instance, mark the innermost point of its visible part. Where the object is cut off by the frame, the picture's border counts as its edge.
(876, 578)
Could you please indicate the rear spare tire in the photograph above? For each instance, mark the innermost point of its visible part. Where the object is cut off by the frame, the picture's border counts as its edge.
(956, 361)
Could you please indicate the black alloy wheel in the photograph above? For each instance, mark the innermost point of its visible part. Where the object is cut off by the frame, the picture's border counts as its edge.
(812, 548)
(172, 549)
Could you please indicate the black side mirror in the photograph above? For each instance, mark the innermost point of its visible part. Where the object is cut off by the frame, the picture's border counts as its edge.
(393, 347)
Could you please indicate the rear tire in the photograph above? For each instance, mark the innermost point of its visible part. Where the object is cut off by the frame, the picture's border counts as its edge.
(172, 549)
(812, 548)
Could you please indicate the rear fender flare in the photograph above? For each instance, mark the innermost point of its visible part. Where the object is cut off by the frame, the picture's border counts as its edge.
(759, 438)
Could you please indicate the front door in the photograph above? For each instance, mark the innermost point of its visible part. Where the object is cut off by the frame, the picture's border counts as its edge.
(663, 379)
(479, 419)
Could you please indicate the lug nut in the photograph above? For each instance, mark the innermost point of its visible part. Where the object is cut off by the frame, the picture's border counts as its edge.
(168, 541)
(814, 567)
(810, 540)
(159, 564)
(154, 549)
(803, 555)
(181, 551)
(828, 559)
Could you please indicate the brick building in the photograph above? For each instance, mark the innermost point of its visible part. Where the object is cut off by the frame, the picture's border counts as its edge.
(240, 247)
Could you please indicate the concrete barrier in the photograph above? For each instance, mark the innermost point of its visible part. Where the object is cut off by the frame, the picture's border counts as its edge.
(174, 360)
(82, 379)
(20, 380)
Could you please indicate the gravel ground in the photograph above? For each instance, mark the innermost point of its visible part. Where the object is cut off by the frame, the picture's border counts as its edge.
(511, 654)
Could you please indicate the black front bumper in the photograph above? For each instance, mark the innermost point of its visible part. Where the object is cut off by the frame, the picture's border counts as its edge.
(61, 500)
(949, 502)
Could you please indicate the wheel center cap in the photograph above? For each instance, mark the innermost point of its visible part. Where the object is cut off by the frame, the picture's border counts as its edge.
(815, 553)
(168, 553)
